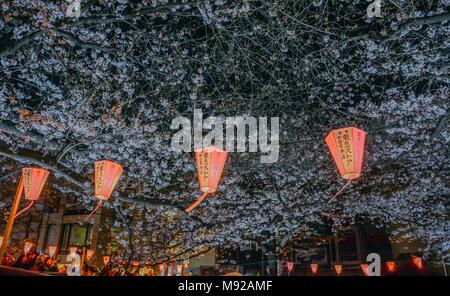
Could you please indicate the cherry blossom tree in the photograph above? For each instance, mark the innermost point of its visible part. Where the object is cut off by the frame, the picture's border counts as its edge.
(108, 84)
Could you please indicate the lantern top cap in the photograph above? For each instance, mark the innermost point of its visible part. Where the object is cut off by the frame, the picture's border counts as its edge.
(344, 128)
(209, 149)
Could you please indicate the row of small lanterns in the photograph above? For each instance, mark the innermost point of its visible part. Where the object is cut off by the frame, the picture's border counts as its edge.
(390, 266)
(346, 146)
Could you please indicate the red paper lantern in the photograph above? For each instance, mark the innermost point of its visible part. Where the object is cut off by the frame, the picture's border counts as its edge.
(179, 269)
(314, 268)
(107, 173)
(365, 269)
(27, 247)
(290, 266)
(210, 163)
(338, 268)
(417, 261)
(33, 182)
(89, 254)
(347, 147)
(106, 176)
(106, 260)
(52, 250)
(390, 266)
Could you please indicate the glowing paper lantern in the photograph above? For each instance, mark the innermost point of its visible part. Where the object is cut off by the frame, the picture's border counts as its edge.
(27, 247)
(314, 268)
(33, 182)
(52, 250)
(390, 266)
(210, 163)
(338, 268)
(107, 174)
(179, 269)
(365, 269)
(347, 148)
(290, 266)
(106, 260)
(417, 261)
(89, 254)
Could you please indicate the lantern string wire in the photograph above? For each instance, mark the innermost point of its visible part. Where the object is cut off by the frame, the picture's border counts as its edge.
(195, 204)
(340, 191)
(24, 209)
(93, 211)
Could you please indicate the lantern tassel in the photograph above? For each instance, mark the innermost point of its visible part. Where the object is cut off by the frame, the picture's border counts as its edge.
(93, 211)
(340, 191)
(195, 204)
(24, 209)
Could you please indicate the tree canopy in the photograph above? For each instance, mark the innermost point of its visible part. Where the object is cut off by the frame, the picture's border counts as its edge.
(107, 85)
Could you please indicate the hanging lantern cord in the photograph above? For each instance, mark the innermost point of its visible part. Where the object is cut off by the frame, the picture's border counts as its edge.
(93, 211)
(24, 209)
(340, 191)
(195, 204)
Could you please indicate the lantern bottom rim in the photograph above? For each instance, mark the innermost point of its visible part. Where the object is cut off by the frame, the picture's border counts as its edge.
(351, 176)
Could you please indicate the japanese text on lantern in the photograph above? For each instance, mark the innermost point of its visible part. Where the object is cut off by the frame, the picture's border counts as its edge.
(99, 171)
(344, 140)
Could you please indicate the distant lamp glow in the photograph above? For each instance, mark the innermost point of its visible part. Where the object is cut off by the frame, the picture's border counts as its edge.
(347, 148)
(52, 251)
(365, 269)
(314, 268)
(89, 254)
(290, 267)
(338, 268)
(390, 266)
(73, 251)
(27, 247)
(417, 261)
(186, 264)
(179, 269)
(1, 240)
(210, 163)
(106, 260)
(107, 174)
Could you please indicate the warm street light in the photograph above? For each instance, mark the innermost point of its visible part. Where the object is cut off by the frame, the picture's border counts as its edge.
(210, 163)
(314, 268)
(31, 183)
(347, 148)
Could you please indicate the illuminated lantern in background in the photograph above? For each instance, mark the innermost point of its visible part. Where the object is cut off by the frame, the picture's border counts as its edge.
(161, 269)
(290, 266)
(1, 240)
(365, 269)
(52, 251)
(338, 268)
(73, 251)
(27, 247)
(417, 261)
(314, 268)
(179, 269)
(347, 148)
(390, 266)
(89, 254)
(186, 264)
(106, 260)
(210, 163)
(107, 174)
(33, 182)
